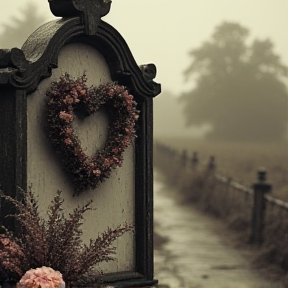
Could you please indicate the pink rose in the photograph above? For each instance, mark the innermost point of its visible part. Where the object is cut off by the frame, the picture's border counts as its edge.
(44, 277)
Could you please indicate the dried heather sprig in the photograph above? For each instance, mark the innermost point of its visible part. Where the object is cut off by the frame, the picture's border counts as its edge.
(54, 243)
(98, 250)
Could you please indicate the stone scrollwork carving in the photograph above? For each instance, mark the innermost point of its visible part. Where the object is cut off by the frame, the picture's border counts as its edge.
(90, 11)
(13, 59)
(24, 68)
(12, 62)
(149, 71)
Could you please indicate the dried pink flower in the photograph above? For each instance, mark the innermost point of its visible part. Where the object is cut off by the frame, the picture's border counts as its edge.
(44, 277)
(129, 99)
(69, 131)
(9, 246)
(115, 150)
(97, 172)
(68, 100)
(107, 162)
(66, 116)
(68, 141)
(83, 92)
(11, 255)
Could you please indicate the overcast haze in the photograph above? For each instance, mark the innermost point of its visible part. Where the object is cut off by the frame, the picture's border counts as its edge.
(164, 31)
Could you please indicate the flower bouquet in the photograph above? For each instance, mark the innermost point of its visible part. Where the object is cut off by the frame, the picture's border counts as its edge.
(49, 253)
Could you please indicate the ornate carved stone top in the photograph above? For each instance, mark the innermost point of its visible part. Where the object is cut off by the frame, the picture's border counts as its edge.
(90, 11)
(24, 68)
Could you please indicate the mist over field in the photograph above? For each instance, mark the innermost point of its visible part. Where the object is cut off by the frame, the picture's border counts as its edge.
(191, 105)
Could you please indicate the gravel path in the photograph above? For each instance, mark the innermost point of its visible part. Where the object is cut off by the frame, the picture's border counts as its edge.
(196, 254)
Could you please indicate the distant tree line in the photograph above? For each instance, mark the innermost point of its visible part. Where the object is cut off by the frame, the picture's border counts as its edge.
(239, 88)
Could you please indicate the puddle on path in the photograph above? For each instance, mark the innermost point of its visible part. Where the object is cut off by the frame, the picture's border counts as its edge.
(195, 256)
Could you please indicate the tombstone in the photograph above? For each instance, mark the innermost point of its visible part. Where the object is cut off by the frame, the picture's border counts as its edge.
(81, 42)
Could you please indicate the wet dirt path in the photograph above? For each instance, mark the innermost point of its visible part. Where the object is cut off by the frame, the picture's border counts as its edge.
(196, 255)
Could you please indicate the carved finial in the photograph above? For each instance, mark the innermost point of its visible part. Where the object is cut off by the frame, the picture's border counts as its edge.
(13, 58)
(262, 174)
(149, 71)
(91, 11)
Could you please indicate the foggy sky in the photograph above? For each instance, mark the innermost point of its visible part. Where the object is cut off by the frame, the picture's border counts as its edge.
(163, 31)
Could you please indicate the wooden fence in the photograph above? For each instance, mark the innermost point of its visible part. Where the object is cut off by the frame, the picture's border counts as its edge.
(255, 205)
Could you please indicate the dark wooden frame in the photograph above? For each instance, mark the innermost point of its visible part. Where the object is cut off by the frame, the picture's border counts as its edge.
(21, 71)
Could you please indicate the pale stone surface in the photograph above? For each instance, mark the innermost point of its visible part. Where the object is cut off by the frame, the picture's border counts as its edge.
(114, 199)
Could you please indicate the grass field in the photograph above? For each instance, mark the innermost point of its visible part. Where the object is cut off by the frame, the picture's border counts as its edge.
(241, 161)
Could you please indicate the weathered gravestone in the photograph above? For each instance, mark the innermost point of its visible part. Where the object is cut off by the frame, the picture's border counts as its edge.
(81, 43)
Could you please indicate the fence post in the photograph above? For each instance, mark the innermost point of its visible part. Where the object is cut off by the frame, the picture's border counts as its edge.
(260, 189)
(194, 160)
(211, 165)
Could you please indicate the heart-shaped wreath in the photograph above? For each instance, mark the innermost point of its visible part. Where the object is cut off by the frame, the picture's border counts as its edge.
(67, 96)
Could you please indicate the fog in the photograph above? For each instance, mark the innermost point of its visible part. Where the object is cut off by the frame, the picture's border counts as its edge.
(163, 32)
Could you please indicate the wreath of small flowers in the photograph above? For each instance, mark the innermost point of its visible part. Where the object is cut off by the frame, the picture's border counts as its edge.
(67, 96)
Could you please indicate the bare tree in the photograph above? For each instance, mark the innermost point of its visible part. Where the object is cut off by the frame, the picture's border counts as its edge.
(239, 88)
